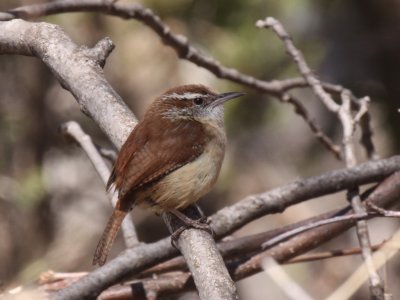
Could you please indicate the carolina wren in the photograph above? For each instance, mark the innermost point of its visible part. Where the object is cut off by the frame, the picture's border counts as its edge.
(171, 158)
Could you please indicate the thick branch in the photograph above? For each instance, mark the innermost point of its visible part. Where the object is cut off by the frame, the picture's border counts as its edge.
(203, 272)
(211, 282)
(76, 68)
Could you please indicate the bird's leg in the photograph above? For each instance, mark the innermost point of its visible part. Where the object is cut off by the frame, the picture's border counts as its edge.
(175, 235)
(201, 223)
(198, 224)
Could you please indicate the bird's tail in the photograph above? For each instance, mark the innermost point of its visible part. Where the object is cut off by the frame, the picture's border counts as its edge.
(108, 237)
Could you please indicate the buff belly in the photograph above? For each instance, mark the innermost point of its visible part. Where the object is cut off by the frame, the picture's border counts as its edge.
(187, 184)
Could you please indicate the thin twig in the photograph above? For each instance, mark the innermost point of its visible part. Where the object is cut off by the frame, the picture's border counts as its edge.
(73, 130)
(317, 86)
(331, 253)
(363, 109)
(319, 134)
(51, 276)
(382, 211)
(366, 136)
(348, 123)
(107, 153)
(353, 217)
(301, 64)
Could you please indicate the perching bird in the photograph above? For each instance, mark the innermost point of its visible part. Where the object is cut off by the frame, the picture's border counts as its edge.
(171, 158)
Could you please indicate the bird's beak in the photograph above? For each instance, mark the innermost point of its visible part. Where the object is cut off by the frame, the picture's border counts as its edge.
(222, 98)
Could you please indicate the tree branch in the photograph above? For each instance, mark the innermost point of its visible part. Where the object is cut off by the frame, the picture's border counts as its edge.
(319, 134)
(68, 62)
(301, 64)
(318, 88)
(277, 200)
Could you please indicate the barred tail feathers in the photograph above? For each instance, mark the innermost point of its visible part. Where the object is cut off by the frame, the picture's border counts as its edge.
(108, 237)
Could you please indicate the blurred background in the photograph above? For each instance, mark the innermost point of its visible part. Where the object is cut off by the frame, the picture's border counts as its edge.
(53, 206)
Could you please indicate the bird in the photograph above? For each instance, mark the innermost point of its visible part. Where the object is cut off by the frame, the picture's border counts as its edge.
(171, 158)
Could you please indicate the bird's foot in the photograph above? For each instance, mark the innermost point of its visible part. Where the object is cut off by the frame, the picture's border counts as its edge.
(203, 224)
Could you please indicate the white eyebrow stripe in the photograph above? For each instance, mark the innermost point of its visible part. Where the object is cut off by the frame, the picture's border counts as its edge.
(183, 96)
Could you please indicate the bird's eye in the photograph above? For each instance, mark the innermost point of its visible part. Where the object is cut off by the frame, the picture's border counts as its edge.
(198, 101)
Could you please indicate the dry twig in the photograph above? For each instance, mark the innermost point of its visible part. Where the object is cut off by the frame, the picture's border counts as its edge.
(74, 131)
(348, 123)
(331, 253)
(318, 87)
(319, 134)
(298, 58)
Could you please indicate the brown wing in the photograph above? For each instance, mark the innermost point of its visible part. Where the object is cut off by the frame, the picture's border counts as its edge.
(155, 152)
